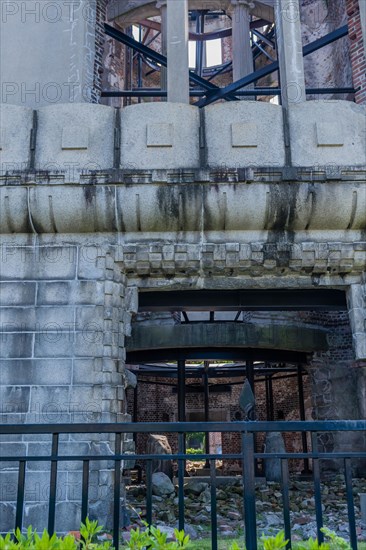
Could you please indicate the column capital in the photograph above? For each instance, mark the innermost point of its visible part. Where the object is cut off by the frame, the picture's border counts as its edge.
(161, 4)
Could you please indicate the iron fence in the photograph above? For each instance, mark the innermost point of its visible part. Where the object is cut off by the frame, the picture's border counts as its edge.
(247, 456)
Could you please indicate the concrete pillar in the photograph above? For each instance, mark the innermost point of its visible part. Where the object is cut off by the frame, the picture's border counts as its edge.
(363, 507)
(290, 56)
(177, 49)
(163, 15)
(47, 52)
(242, 51)
(357, 315)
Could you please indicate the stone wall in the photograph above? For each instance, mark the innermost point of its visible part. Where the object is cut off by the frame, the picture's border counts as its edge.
(63, 319)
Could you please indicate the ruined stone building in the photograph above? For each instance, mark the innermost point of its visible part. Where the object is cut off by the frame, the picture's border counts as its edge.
(155, 217)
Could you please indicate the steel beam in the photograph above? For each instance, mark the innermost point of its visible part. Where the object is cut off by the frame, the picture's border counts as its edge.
(154, 92)
(247, 300)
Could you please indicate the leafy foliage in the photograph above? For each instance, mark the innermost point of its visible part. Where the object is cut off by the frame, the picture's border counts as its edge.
(154, 539)
(150, 538)
(275, 543)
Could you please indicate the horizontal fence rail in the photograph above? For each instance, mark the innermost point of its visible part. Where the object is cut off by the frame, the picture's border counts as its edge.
(248, 457)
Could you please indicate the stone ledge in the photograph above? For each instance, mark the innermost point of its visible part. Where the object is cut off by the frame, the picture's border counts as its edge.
(190, 207)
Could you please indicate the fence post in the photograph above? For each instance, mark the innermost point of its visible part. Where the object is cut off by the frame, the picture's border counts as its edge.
(249, 490)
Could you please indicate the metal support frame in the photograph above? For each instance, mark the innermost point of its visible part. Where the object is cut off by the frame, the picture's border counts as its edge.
(212, 92)
(302, 417)
(265, 71)
(181, 364)
(158, 58)
(207, 409)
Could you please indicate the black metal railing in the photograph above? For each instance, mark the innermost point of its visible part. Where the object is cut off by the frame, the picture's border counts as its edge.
(247, 456)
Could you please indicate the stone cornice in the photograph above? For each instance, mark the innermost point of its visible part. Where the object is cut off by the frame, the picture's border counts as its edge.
(167, 207)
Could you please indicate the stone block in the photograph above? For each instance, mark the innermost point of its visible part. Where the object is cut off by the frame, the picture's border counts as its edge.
(37, 319)
(148, 143)
(237, 134)
(85, 372)
(57, 208)
(75, 292)
(91, 264)
(75, 137)
(16, 124)
(317, 127)
(38, 263)
(36, 514)
(83, 147)
(87, 318)
(329, 134)
(15, 345)
(357, 317)
(68, 516)
(356, 297)
(160, 135)
(17, 294)
(244, 135)
(33, 372)
(87, 343)
(7, 515)
(11, 450)
(50, 404)
(359, 345)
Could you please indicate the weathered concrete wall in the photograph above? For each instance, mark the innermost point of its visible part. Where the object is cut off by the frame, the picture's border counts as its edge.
(59, 65)
(335, 386)
(75, 141)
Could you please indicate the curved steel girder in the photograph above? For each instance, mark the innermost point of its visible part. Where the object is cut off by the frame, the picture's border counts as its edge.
(214, 35)
(129, 12)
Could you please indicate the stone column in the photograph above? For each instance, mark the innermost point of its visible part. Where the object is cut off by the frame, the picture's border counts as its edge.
(177, 49)
(48, 52)
(242, 51)
(290, 56)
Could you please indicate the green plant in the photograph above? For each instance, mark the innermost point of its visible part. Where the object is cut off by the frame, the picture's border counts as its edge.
(31, 540)
(274, 543)
(88, 531)
(313, 544)
(154, 539)
(337, 543)
(192, 451)
(269, 543)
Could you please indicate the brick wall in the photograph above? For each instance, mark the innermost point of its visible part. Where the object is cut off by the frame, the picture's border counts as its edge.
(157, 403)
(100, 38)
(358, 57)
